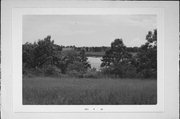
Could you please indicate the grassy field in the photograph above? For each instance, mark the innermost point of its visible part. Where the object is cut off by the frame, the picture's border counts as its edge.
(64, 91)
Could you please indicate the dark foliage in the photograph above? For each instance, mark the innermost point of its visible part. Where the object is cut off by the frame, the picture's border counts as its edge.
(118, 60)
(49, 58)
(45, 57)
(147, 56)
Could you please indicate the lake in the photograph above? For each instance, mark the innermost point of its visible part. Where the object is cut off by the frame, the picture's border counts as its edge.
(95, 62)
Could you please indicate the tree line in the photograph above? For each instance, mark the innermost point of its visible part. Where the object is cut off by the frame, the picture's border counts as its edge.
(47, 58)
(97, 48)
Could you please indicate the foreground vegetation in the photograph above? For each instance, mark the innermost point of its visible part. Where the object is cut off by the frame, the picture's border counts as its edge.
(88, 91)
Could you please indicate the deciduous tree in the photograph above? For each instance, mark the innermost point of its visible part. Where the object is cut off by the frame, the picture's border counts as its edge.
(147, 56)
(116, 58)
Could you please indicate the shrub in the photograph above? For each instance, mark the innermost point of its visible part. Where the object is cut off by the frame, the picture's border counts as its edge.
(130, 72)
(74, 73)
(92, 73)
(148, 73)
(31, 72)
(120, 71)
(51, 70)
(76, 69)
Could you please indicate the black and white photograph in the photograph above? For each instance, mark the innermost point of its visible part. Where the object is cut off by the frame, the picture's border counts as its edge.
(89, 59)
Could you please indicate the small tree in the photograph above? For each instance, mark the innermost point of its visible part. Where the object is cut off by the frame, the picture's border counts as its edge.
(83, 59)
(147, 56)
(76, 69)
(116, 58)
(28, 55)
(66, 58)
(44, 52)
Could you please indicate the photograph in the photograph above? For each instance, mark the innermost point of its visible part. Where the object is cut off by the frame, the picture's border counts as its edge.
(89, 59)
(97, 59)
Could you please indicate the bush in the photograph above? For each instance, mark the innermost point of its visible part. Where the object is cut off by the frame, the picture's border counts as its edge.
(92, 73)
(130, 72)
(76, 69)
(120, 71)
(51, 70)
(74, 73)
(148, 73)
(31, 72)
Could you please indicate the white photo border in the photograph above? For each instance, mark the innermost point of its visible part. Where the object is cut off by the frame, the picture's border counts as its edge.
(17, 17)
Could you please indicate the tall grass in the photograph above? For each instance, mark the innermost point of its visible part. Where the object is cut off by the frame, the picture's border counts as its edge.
(86, 91)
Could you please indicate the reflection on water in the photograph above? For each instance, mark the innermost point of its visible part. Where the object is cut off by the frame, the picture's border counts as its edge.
(95, 62)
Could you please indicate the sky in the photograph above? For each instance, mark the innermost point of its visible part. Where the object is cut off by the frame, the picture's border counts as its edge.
(88, 30)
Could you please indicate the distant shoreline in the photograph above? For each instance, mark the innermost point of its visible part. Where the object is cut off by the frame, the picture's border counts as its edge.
(94, 54)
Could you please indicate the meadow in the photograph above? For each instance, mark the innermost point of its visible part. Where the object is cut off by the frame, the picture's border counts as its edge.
(88, 91)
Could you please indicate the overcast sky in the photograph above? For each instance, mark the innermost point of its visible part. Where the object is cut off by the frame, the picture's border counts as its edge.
(88, 30)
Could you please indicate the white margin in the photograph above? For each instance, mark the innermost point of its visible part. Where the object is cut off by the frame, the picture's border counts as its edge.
(17, 14)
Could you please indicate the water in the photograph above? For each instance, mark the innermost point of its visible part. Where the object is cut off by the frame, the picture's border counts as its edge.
(95, 62)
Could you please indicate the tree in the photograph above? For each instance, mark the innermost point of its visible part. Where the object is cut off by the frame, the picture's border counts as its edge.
(66, 58)
(147, 56)
(77, 63)
(47, 57)
(28, 55)
(83, 59)
(42, 54)
(116, 58)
